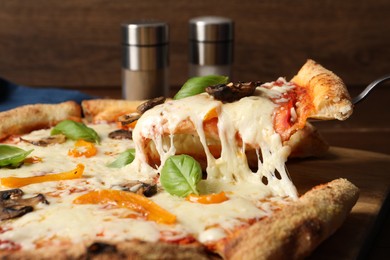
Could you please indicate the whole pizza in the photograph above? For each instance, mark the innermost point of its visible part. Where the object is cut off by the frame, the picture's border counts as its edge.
(202, 175)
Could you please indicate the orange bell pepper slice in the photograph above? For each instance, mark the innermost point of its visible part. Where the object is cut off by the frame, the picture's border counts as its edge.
(16, 182)
(33, 159)
(132, 125)
(213, 113)
(208, 199)
(125, 199)
(83, 148)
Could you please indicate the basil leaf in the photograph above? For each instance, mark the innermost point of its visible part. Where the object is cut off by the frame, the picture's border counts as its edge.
(75, 131)
(197, 85)
(180, 175)
(12, 156)
(123, 159)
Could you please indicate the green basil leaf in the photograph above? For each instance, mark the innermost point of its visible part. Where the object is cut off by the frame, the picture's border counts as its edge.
(197, 85)
(180, 175)
(12, 156)
(75, 131)
(123, 159)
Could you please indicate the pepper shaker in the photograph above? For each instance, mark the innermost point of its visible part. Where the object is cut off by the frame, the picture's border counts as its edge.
(145, 60)
(210, 46)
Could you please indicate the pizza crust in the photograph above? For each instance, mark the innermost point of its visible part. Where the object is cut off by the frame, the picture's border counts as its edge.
(297, 229)
(329, 94)
(108, 110)
(27, 118)
(307, 142)
(290, 233)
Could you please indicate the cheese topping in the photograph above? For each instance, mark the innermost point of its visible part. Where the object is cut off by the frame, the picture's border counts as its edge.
(62, 221)
(250, 118)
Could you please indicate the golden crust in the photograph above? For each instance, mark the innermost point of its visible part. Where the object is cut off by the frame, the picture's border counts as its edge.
(330, 95)
(108, 110)
(297, 229)
(24, 119)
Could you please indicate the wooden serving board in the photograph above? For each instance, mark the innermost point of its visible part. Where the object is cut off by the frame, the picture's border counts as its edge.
(367, 170)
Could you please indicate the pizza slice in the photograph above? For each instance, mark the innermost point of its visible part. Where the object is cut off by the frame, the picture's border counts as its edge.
(78, 197)
(258, 130)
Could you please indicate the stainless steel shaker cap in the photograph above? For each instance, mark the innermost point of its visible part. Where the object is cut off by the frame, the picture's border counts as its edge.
(211, 29)
(145, 33)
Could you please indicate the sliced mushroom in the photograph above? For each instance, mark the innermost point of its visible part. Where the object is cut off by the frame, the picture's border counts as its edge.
(129, 118)
(233, 91)
(12, 205)
(150, 104)
(141, 188)
(121, 134)
(54, 139)
(8, 213)
(10, 194)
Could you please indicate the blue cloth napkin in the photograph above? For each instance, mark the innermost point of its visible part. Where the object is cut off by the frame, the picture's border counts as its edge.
(13, 95)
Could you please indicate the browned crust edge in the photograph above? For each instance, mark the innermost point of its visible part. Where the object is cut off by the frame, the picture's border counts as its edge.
(27, 118)
(108, 110)
(296, 230)
(330, 95)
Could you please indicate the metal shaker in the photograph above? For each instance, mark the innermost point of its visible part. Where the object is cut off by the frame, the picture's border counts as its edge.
(210, 46)
(145, 60)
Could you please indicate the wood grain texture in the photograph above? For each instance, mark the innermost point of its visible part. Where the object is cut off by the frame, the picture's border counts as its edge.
(77, 43)
(369, 172)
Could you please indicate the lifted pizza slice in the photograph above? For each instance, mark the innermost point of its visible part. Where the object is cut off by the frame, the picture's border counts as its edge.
(222, 131)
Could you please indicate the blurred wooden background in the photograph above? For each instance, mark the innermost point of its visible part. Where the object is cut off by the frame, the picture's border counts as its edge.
(77, 43)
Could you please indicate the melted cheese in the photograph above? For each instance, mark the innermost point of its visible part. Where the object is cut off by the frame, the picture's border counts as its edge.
(251, 118)
(62, 221)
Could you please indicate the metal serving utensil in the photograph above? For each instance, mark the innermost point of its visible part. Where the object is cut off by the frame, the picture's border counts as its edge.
(368, 89)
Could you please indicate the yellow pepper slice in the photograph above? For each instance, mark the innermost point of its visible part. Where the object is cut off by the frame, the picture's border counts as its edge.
(125, 199)
(83, 148)
(208, 199)
(16, 182)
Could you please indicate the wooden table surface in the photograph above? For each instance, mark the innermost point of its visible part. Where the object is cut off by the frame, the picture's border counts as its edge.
(367, 129)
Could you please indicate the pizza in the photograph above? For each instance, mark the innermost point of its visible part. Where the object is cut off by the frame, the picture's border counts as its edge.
(197, 177)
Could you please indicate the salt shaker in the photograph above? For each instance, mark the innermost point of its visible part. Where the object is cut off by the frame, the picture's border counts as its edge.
(210, 46)
(145, 60)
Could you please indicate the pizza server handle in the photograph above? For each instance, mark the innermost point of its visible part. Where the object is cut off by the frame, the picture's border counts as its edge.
(368, 89)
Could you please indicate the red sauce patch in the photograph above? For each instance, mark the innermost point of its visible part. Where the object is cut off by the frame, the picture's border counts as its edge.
(7, 245)
(298, 100)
